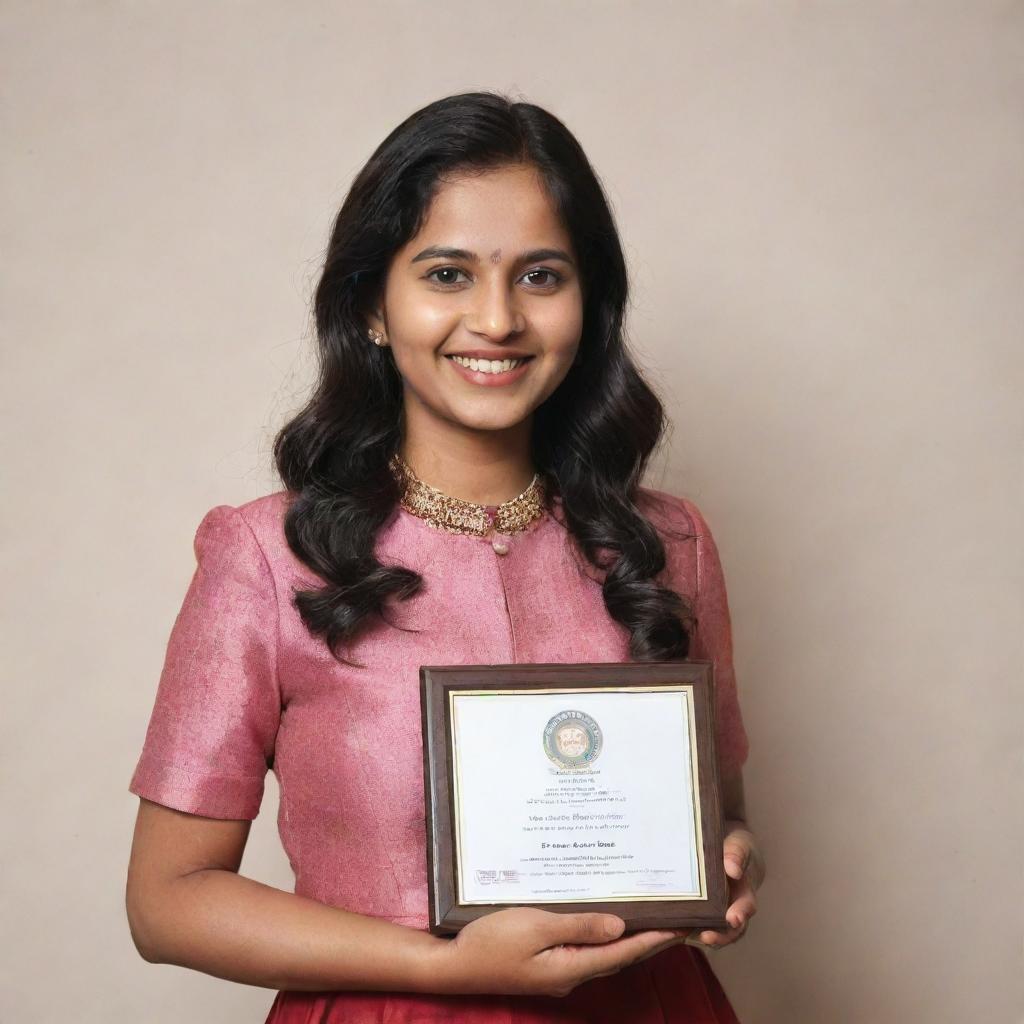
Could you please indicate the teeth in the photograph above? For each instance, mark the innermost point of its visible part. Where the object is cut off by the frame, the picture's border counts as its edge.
(487, 365)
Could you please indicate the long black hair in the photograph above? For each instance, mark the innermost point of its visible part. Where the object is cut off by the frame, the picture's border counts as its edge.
(591, 438)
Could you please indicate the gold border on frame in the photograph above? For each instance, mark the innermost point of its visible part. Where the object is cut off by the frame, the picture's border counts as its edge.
(684, 689)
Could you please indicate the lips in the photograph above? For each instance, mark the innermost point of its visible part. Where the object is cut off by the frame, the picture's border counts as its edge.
(495, 365)
(492, 353)
(496, 372)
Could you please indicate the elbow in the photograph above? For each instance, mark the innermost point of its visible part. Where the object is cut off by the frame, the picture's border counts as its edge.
(141, 925)
(145, 954)
(143, 943)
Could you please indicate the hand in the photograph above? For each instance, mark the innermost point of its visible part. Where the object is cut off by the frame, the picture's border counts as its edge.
(526, 951)
(745, 868)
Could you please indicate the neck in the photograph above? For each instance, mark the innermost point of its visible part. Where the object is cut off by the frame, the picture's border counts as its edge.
(484, 467)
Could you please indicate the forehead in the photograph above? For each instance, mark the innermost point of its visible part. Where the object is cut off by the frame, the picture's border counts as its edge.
(504, 208)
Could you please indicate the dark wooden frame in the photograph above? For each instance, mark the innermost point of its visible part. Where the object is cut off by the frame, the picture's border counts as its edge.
(438, 681)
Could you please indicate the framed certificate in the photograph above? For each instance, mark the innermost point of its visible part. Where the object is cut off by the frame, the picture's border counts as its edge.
(573, 787)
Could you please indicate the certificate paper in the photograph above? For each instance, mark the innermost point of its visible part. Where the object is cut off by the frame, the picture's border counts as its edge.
(576, 795)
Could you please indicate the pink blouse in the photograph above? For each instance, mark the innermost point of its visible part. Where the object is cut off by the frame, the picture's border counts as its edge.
(245, 688)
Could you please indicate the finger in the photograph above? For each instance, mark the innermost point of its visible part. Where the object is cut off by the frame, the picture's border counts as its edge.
(743, 906)
(684, 937)
(736, 853)
(715, 940)
(591, 961)
(583, 929)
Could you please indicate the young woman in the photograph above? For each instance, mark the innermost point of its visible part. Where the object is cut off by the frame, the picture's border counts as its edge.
(463, 487)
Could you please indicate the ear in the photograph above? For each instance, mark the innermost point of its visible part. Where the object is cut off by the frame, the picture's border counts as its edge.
(373, 311)
(375, 320)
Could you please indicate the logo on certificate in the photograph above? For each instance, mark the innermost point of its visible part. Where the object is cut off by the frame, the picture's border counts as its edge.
(572, 739)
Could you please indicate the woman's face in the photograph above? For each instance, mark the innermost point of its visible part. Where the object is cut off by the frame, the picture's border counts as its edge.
(512, 294)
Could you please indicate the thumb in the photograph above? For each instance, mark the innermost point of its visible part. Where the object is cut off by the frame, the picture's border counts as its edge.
(585, 928)
(737, 855)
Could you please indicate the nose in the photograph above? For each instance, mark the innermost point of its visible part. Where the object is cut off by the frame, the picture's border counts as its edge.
(493, 313)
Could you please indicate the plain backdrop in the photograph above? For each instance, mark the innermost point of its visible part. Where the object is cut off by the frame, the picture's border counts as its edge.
(821, 204)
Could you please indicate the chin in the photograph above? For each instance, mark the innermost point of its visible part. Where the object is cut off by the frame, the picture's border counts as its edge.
(489, 422)
(490, 426)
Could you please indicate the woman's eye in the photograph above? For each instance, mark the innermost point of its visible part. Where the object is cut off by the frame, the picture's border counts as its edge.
(444, 270)
(553, 278)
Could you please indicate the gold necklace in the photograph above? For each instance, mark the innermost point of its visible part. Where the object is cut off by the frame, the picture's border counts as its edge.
(456, 515)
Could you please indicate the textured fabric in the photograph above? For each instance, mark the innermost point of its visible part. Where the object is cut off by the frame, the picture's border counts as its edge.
(676, 986)
(245, 688)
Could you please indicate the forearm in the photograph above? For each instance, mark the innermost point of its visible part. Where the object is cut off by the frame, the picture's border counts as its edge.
(233, 927)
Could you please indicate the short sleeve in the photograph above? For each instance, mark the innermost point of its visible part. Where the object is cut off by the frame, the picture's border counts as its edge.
(213, 726)
(712, 641)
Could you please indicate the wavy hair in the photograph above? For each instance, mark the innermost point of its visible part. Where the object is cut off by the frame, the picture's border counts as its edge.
(591, 439)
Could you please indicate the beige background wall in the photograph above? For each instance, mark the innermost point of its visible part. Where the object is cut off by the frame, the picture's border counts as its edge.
(822, 208)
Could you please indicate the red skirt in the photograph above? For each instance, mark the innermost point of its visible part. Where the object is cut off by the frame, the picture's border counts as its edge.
(675, 987)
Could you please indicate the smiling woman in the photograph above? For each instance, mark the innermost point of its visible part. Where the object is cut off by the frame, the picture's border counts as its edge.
(463, 487)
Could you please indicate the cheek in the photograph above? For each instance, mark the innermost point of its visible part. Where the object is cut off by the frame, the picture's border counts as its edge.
(418, 316)
(422, 324)
(561, 328)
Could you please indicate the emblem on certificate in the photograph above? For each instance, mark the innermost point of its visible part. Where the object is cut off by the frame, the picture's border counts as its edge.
(573, 787)
(572, 739)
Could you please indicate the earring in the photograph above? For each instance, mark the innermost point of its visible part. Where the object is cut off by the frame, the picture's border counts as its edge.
(376, 337)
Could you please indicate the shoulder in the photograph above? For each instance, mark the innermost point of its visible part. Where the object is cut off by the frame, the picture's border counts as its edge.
(670, 514)
(675, 516)
(265, 516)
(692, 559)
(255, 527)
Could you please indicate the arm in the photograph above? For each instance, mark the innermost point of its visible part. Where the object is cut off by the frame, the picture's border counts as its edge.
(200, 779)
(187, 905)
(744, 864)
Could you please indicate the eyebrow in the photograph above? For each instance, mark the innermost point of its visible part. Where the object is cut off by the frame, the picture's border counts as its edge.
(448, 253)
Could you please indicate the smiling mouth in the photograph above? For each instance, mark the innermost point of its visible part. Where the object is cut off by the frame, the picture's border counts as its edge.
(496, 366)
